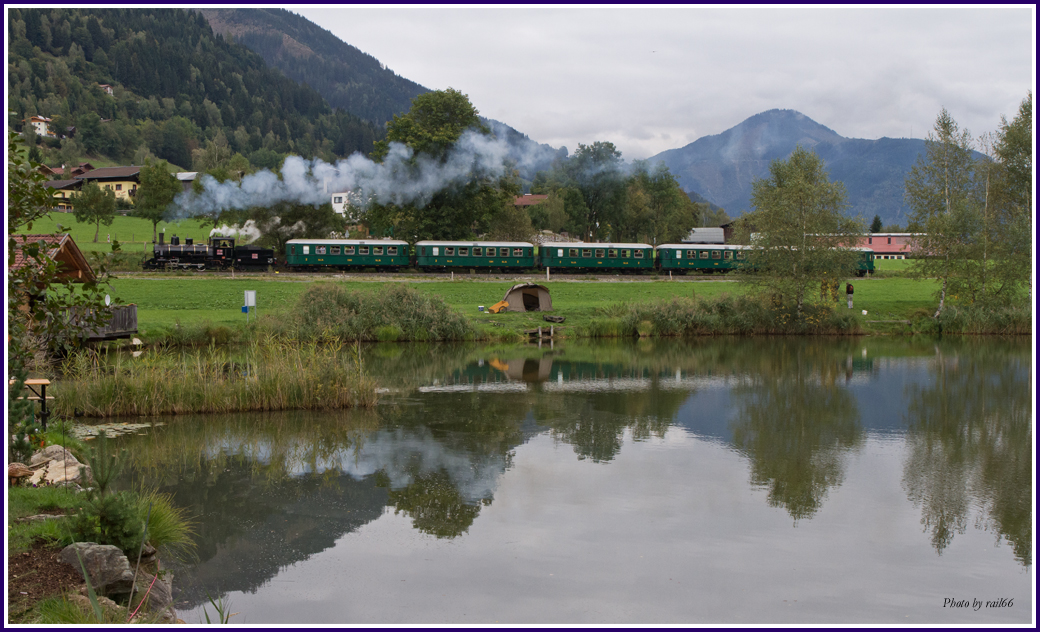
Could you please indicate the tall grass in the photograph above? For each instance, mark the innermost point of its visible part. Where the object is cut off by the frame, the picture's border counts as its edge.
(273, 376)
(722, 315)
(972, 320)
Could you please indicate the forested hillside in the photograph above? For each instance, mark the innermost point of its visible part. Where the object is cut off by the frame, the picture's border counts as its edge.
(347, 77)
(175, 86)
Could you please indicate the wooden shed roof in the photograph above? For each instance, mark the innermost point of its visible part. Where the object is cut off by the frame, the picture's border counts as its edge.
(60, 248)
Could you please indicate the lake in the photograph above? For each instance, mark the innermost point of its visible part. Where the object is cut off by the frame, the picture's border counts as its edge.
(725, 480)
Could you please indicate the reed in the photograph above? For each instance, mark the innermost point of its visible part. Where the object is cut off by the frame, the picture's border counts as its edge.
(275, 375)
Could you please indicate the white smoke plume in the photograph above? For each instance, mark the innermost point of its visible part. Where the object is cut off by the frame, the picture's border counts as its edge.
(396, 180)
(247, 233)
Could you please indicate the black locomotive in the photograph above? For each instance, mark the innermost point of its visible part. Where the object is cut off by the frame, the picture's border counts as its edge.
(220, 254)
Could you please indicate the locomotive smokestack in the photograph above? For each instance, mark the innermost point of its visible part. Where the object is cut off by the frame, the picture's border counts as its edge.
(162, 238)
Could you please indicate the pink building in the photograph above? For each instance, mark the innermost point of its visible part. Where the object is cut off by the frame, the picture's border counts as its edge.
(887, 245)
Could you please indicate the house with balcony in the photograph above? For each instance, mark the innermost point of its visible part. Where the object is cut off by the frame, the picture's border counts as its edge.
(123, 181)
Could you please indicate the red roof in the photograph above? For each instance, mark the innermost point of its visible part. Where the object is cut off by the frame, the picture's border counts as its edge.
(530, 200)
(59, 247)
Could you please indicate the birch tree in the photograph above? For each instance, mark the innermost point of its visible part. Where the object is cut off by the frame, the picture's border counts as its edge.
(802, 230)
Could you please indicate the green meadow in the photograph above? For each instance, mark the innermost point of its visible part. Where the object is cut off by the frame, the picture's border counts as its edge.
(166, 301)
(134, 233)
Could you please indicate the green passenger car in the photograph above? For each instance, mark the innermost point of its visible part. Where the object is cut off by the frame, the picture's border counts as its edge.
(478, 255)
(865, 262)
(346, 254)
(581, 256)
(704, 257)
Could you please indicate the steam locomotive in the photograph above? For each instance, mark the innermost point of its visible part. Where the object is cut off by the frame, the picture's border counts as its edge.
(220, 253)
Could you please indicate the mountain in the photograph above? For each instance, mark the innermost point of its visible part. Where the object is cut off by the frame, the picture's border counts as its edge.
(347, 77)
(721, 168)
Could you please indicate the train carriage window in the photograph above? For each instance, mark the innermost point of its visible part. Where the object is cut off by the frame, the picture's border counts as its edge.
(477, 251)
(362, 250)
(704, 254)
(573, 252)
(463, 252)
(612, 253)
(306, 250)
(391, 250)
(678, 253)
(625, 254)
(740, 254)
(586, 252)
(348, 250)
(423, 253)
(599, 253)
(292, 250)
(691, 254)
(559, 252)
(377, 250)
(449, 252)
(436, 250)
(335, 250)
(728, 254)
(715, 254)
(518, 252)
(319, 250)
(638, 254)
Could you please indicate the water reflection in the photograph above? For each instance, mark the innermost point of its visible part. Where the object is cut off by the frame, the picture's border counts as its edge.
(271, 490)
(970, 443)
(796, 424)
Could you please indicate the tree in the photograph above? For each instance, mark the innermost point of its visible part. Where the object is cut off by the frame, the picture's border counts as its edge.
(803, 232)
(156, 193)
(658, 209)
(596, 171)
(941, 193)
(39, 285)
(95, 205)
(876, 225)
(1013, 245)
(455, 210)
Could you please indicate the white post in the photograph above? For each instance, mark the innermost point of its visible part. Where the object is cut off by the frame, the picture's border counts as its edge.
(669, 275)
(452, 275)
(546, 273)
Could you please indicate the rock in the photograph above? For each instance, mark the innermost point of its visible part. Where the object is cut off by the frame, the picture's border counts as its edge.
(40, 518)
(108, 570)
(62, 471)
(111, 608)
(53, 453)
(159, 599)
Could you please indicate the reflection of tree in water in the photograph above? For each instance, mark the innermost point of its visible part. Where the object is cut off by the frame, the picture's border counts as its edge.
(796, 425)
(970, 443)
(595, 424)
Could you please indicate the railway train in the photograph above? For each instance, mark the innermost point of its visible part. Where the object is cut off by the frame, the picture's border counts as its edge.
(389, 255)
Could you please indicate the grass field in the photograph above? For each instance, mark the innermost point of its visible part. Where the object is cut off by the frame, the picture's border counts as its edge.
(134, 234)
(163, 301)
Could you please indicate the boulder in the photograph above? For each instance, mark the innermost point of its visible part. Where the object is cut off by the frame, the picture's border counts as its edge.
(159, 599)
(108, 570)
(114, 611)
(53, 453)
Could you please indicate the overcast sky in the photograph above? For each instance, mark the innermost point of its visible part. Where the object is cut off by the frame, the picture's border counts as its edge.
(651, 79)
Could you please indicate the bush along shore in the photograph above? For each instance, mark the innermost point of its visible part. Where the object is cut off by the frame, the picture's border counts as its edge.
(274, 375)
(723, 315)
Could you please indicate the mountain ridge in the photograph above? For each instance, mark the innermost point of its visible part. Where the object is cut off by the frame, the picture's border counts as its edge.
(721, 167)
